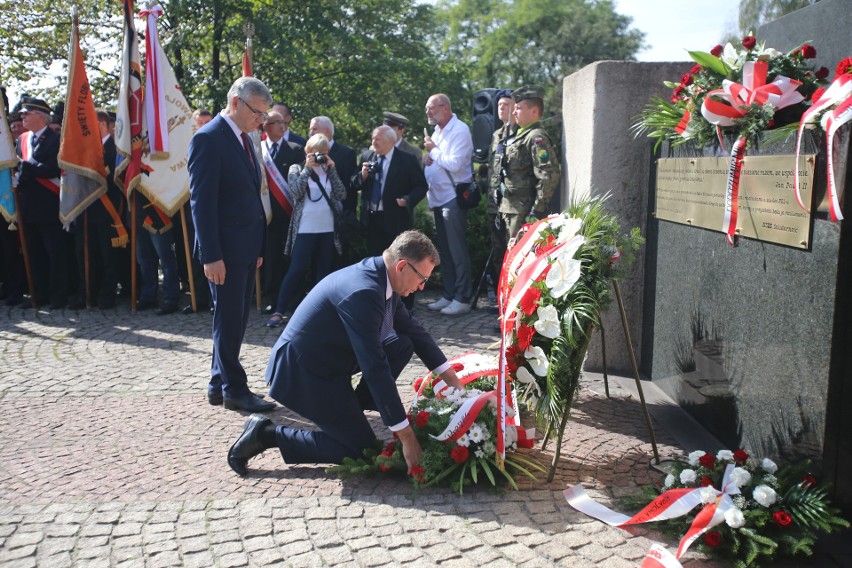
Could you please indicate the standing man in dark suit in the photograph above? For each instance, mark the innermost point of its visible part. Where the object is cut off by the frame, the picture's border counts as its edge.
(289, 136)
(391, 185)
(282, 155)
(48, 245)
(351, 320)
(399, 123)
(345, 162)
(230, 226)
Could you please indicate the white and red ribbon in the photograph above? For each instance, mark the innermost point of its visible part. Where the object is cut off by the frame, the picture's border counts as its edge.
(839, 96)
(671, 504)
(278, 186)
(155, 92)
(732, 190)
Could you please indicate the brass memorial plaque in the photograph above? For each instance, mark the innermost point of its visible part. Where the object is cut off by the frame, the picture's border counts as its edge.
(691, 191)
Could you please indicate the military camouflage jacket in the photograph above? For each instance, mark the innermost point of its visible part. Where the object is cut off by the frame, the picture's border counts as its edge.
(495, 159)
(532, 172)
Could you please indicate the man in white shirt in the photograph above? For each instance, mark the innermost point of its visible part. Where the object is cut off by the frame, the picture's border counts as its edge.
(448, 162)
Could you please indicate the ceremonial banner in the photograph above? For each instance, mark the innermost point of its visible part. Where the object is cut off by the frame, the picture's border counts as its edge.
(8, 160)
(255, 139)
(155, 101)
(165, 181)
(128, 124)
(83, 178)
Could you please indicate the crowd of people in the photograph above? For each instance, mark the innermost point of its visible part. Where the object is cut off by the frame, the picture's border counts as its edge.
(374, 192)
(357, 314)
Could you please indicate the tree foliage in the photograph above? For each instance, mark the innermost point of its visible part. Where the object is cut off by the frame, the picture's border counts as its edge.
(755, 13)
(347, 59)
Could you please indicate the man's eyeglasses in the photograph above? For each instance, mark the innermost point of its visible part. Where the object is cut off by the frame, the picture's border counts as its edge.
(258, 113)
(423, 279)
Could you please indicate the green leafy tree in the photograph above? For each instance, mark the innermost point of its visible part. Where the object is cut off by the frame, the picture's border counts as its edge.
(755, 13)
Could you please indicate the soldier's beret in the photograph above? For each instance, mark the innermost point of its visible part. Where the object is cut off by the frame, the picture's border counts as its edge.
(32, 103)
(395, 119)
(528, 92)
(503, 94)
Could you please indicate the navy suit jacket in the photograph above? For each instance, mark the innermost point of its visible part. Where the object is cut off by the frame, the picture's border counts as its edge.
(337, 326)
(344, 162)
(403, 178)
(38, 203)
(224, 188)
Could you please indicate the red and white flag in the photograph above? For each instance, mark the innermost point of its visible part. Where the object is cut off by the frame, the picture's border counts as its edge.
(128, 123)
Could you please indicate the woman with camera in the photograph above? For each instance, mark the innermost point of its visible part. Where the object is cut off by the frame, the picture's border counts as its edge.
(317, 194)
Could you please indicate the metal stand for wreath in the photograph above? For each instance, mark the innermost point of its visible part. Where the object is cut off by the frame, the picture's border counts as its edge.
(635, 369)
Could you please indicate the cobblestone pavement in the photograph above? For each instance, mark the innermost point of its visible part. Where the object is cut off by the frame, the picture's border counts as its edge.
(111, 456)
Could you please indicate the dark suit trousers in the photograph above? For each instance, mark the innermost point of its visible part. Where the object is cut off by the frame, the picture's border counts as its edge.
(344, 430)
(232, 301)
(50, 250)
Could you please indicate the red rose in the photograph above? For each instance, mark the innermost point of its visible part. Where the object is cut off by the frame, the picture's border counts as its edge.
(706, 481)
(817, 94)
(740, 457)
(459, 454)
(686, 79)
(808, 51)
(417, 472)
(417, 384)
(844, 67)
(695, 69)
(809, 481)
(712, 539)
(525, 335)
(822, 73)
(673, 99)
(391, 447)
(677, 91)
(457, 367)
(707, 461)
(384, 467)
(749, 42)
(422, 418)
(783, 518)
(530, 300)
(717, 51)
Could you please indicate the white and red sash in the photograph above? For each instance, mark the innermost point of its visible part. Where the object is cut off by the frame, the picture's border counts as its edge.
(278, 186)
(53, 183)
(671, 504)
(839, 93)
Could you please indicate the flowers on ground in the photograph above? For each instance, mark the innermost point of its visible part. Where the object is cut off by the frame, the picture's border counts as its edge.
(768, 511)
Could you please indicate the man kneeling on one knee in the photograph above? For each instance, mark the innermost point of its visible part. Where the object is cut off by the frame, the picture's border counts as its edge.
(352, 320)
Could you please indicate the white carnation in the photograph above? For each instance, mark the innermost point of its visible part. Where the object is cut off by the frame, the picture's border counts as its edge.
(670, 479)
(768, 465)
(734, 517)
(687, 476)
(725, 455)
(694, 457)
(740, 477)
(764, 495)
(708, 495)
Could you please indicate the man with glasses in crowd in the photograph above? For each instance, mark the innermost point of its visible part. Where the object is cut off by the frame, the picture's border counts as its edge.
(230, 227)
(353, 320)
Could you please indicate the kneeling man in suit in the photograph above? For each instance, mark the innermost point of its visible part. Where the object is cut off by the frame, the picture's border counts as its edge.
(352, 320)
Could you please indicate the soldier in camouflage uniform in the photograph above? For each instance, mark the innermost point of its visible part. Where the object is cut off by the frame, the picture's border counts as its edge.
(501, 137)
(530, 166)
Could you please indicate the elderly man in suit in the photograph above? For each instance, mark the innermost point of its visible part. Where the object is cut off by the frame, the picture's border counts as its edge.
(352, 320)
(391, 185)
(284, 110)
(399, 123)
(278, 156)
(48, 245)
(230, 225)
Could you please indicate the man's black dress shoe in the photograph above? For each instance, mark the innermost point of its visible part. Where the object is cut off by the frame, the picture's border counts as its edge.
(167, 309)
(216, 398)
(188, 309)
(248, 402)
(248, 444)
(145, 305)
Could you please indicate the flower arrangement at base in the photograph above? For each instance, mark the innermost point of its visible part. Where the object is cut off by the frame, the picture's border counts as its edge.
(457, 431)
(744, 510)
(555, 283)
